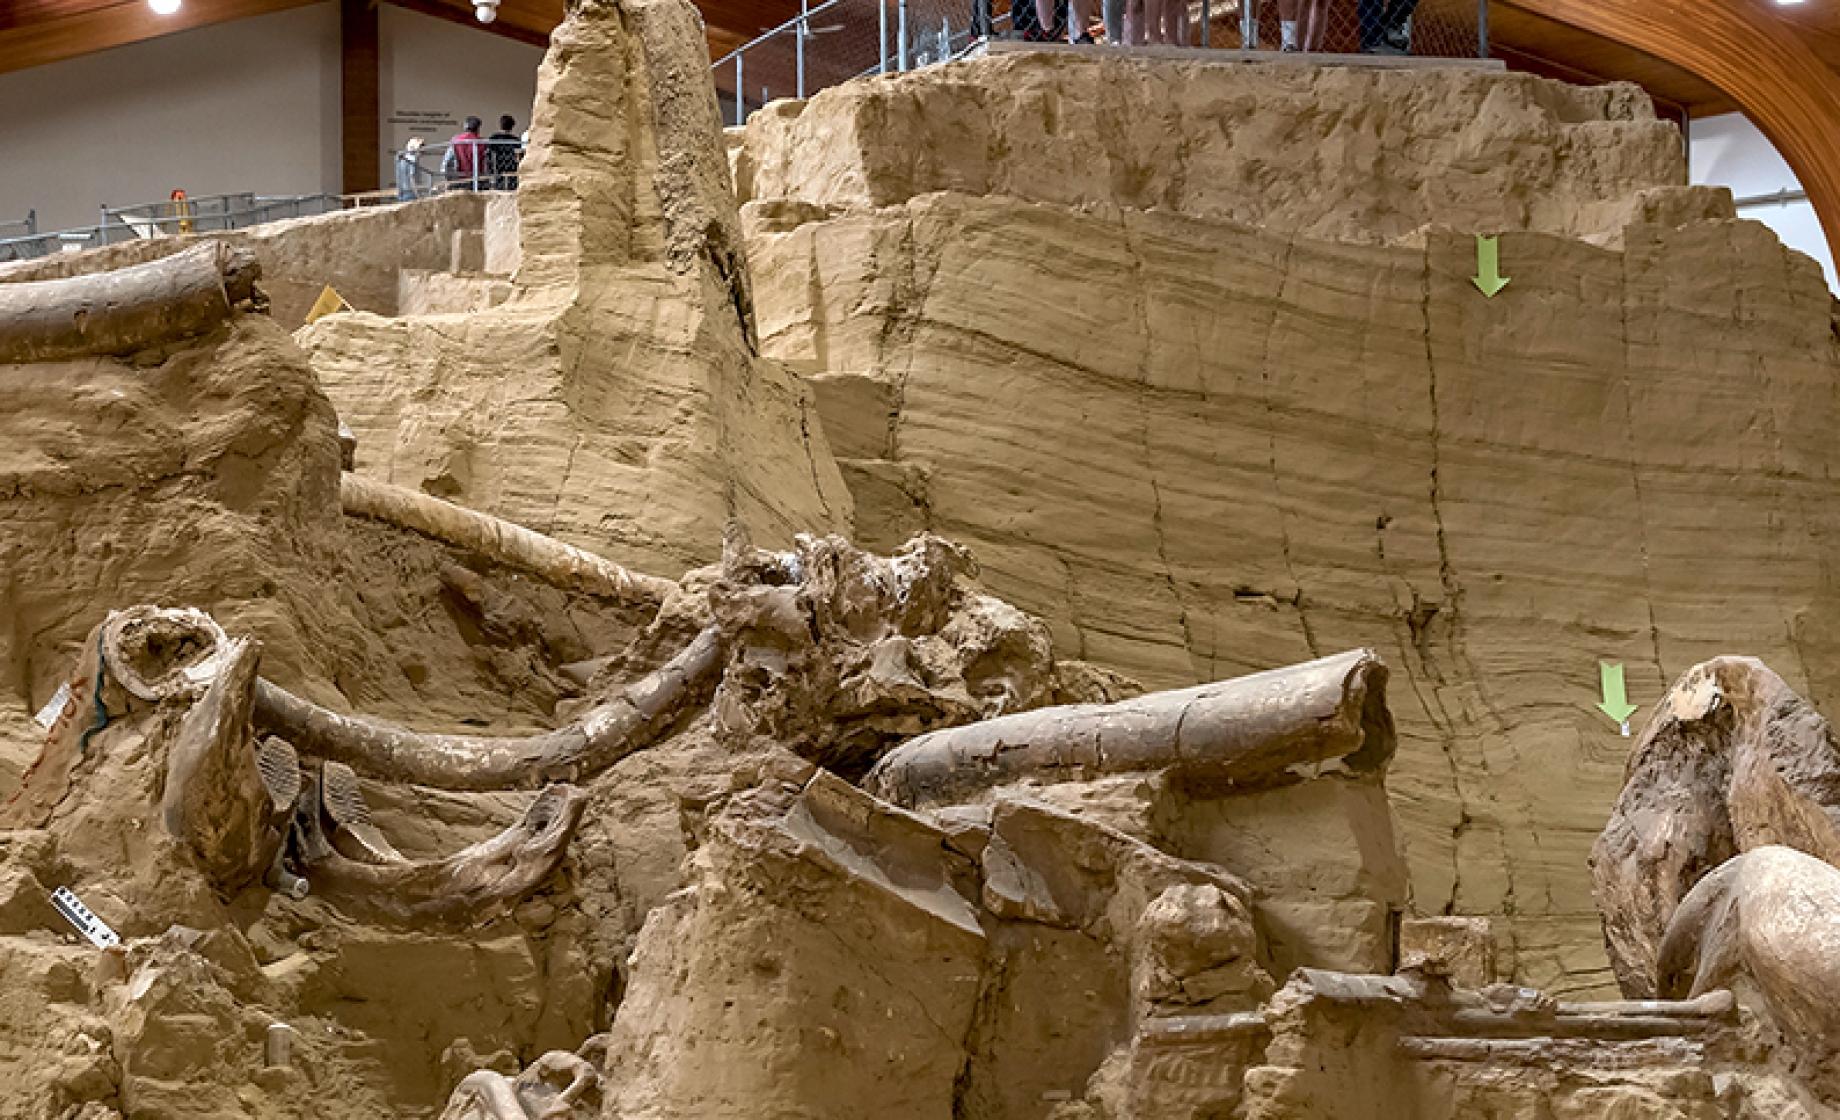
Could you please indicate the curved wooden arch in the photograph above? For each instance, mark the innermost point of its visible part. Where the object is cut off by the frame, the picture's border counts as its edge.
(1757, 58)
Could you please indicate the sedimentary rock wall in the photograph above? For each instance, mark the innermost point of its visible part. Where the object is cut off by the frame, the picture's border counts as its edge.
(1199, 447)
(616, 399)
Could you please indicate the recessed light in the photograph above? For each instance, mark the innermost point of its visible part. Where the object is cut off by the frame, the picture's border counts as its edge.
(163, 7)
(1786, 3)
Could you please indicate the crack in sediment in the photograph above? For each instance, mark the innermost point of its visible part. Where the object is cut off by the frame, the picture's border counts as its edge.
(1141, 305)
(1635, 480)
(1271, 431)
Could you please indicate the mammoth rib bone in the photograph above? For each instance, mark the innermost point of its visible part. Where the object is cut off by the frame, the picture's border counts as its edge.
(501, 869)
(499, 540)
(607, 733)
(124, 310)
(1261, 730)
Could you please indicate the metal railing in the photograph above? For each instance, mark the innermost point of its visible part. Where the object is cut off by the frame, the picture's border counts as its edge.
(484, 165)
(465, 165)
(836, 40)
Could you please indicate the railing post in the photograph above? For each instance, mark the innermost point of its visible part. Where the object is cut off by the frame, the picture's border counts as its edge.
(945, 40)
(983, 17)
(1249, 25)
(740, 92)
(799, 46)
(1207, 20)
(900, 34)
(881, 19)
(1482, 28)
(32, 221)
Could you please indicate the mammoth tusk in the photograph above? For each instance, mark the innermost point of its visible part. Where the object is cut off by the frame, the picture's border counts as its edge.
(218, 800)
(607, 733)
(118, 312)
(499, 540)
(505, 867)
(1253, 731)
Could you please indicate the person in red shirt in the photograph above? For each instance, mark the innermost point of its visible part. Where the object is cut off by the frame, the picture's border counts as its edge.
(461, 164)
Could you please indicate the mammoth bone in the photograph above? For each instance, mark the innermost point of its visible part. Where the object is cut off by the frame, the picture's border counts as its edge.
(1732, 760)
(240, 806)
(118, 312)
(633, 718)
(1262, 730)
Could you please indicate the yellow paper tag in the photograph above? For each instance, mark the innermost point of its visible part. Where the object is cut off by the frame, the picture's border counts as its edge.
(328, 302)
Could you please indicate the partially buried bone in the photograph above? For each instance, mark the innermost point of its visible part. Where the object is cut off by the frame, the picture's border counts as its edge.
(1767, 921)
(126, 309)
(629, 721)
(1266, 729)
(1732, 760)
(224, 799)
(500, 541)
(557, 1086)
(469, 883)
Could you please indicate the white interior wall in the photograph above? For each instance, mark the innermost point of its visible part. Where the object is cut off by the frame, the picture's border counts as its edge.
(1729, 151)
(250, 105)
(435, 73)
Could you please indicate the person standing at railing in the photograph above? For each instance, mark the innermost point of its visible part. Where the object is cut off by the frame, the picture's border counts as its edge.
(410, 175)
(504, 151)
(461, 164)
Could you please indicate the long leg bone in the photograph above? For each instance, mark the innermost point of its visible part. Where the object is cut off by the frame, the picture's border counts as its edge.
(1254, 731)
(125, 310)
(606, 734)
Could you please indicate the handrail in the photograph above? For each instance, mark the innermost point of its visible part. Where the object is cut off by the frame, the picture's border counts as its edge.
(802, 17)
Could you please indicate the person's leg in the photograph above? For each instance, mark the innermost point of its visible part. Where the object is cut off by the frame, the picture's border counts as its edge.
(1081, 11)
(1315, 24)
(1044, 16)
(1289, 36)
(1178, 13)
(1113, 11)
(1399, 23)
(1371, 15)
(1134, 22)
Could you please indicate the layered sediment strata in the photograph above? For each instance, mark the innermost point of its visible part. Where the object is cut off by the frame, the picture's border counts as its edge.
(1284, 421)
(616, 399)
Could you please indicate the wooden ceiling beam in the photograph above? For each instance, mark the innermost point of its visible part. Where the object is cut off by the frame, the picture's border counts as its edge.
(87, 30)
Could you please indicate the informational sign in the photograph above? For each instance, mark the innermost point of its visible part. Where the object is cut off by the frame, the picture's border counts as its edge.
(77, 914)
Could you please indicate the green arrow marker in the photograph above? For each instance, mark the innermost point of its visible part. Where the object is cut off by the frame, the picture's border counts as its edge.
(1616, 703)
(1488, 276)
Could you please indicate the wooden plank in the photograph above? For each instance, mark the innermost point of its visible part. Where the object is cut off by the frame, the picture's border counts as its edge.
(360, 135)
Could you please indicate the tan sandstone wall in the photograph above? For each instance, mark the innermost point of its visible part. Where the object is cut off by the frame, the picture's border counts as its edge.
(1201, 448)
(358, 252)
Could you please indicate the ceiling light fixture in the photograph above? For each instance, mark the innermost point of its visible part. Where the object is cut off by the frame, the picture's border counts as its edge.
(485, 11)
(163, 7)
(1786, 3)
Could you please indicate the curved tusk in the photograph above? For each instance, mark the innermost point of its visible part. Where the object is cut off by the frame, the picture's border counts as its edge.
(609, 732)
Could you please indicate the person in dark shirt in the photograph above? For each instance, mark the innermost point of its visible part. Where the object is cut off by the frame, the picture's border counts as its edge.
(504, 151)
